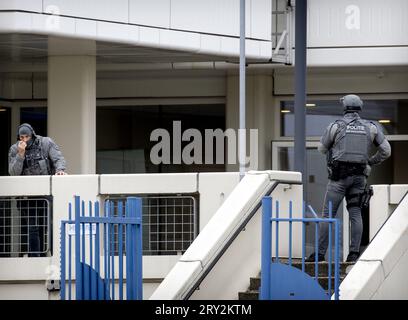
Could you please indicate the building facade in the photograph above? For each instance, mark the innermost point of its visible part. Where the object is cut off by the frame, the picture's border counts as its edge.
(100, 76)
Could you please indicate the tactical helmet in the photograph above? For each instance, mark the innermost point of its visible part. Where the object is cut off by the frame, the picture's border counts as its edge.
(352, 103)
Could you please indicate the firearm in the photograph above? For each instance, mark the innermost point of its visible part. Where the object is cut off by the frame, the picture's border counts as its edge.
(366, 196)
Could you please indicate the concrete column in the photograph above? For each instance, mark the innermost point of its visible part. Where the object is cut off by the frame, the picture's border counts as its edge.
(263, 119)
(72, 110)
(259, 114)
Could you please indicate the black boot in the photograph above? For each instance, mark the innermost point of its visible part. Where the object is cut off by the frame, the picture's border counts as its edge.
(352, 256)
(312, 258)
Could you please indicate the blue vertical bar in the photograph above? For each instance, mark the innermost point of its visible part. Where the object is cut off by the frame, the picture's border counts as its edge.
(78, 266)
(266, 248)
(106, 252)
(69, 255)
(330, 250)
(316, 250)
(129, 259)
(139, 249)
(303, 236)
(62, 257)
(120, 235)
(336, 260)
(133, 237)
(86, 281)
(277, 231)
(97, 255)
(290, 233)
(112, 251)
(93, 274)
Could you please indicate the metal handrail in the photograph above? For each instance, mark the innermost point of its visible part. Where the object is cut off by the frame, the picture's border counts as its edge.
(240, 227)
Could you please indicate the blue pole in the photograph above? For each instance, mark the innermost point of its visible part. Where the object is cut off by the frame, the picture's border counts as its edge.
(129, 259)
(316, 249)
(336, 262)
(120, 231)
(266, 248)
(78, 266)
(93, 274)
(62, 256)
(139, 249)
(112, 245)
(303, 237)
(290, 233)
(70, 255)
(277, 231)
(134, 246)
(98, 255)
(86, 282)
(330, 249)
(105, 256)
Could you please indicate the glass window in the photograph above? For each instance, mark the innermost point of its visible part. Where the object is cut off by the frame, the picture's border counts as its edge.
(36, 117)
(123, 136)
(391, 114)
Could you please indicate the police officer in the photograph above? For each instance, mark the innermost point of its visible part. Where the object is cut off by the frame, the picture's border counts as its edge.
(34, 155)
(347, 143)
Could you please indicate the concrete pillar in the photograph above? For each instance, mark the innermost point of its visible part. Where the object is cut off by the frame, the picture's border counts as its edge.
(263, 119)
(259, 114)
(72, 110)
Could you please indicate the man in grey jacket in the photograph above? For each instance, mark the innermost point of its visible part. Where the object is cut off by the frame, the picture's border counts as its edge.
(347, 143)
(34, 155)
(31, 155)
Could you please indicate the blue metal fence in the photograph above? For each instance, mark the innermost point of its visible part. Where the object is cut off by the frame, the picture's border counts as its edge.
(95, 275)
(280, 281)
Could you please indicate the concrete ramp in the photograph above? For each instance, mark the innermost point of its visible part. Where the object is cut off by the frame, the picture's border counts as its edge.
(381, 271)
(226, 253)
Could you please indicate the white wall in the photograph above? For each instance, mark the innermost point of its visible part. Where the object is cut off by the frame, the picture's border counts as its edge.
(357, 23)
(340, 80)
(17, 274)
(380, 271)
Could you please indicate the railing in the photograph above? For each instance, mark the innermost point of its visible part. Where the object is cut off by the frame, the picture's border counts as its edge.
(303, 289)
(202, 265)
(169, 223)
(25, 226)
(93, 234)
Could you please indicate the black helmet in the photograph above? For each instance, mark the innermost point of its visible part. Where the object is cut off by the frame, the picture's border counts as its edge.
(352, 103)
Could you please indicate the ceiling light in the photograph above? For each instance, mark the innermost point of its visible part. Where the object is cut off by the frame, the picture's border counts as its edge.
(285, 111)
(310, 104)
(384, 121)
(2, 109)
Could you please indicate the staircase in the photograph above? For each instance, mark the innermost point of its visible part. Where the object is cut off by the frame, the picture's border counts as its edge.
(253, 291)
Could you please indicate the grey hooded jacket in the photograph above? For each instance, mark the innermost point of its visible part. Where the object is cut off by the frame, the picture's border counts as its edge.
(51, 161)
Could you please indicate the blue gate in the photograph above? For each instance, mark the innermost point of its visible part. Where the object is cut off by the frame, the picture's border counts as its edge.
(284, 281)
(101, 243)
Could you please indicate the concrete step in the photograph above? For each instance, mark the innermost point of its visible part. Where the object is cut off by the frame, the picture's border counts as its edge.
(323, 267)
(255, 282)
(249, 295)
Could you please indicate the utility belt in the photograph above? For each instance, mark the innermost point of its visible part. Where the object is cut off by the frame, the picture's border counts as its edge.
(341, 170)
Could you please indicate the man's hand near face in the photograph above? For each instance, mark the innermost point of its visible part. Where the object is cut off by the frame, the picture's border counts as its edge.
(21, 148)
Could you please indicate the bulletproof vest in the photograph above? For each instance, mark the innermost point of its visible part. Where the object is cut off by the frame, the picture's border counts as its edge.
(35, 163)
(352, 141)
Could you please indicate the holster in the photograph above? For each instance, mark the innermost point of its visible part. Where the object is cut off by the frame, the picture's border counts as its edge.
(366, 196)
